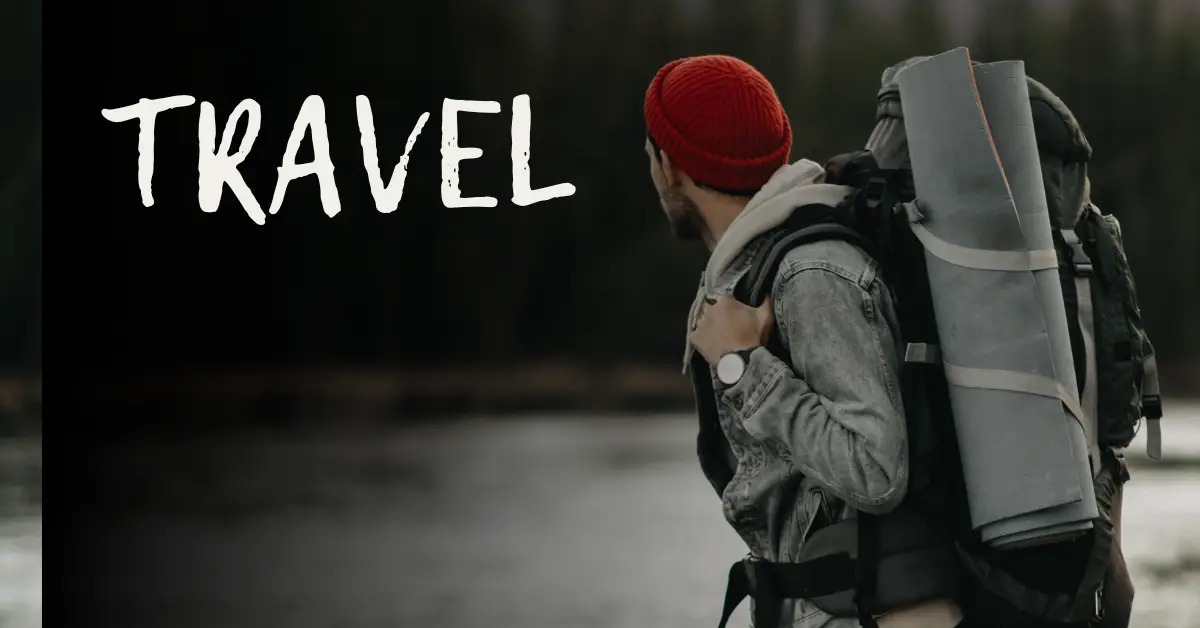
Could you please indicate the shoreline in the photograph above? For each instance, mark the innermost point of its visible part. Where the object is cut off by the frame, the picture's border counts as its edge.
(392, 394)
(372, 395)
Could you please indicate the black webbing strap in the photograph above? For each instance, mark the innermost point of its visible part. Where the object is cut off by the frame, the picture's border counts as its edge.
(766, 265)
(769, 584)
(866, 568)
(878, 200)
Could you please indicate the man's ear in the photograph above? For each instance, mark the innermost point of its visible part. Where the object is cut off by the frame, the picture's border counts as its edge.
(669, 171)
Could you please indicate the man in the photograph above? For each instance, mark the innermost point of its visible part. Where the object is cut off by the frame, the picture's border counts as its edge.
(819, 437)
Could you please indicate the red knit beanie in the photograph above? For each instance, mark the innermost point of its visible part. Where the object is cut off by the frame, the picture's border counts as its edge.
(719, 120)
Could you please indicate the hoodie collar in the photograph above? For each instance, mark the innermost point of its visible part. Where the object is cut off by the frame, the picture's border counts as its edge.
(792, 186)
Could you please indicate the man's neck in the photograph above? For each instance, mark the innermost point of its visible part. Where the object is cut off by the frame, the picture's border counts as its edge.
(719, 212)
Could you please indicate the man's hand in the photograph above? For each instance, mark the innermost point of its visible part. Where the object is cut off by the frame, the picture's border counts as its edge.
(728, 325)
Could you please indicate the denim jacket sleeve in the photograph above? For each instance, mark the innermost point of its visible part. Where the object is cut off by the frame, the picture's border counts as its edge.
(837, 412)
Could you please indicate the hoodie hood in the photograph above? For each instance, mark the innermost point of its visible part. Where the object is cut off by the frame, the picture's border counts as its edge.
(795, 185)
(1064, 150)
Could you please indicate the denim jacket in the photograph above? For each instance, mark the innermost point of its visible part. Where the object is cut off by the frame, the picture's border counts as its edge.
(825, 437)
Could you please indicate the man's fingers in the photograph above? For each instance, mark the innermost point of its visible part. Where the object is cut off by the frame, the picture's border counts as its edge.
(729, 304)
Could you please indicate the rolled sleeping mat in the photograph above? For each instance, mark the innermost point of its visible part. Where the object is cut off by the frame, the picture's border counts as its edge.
(1000, 317)
(1004, 94)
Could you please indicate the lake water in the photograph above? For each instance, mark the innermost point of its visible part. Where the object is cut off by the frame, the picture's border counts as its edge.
(533, 523)
(21, 572)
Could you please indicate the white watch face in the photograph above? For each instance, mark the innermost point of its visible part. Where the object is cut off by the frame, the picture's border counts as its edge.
(730, 368)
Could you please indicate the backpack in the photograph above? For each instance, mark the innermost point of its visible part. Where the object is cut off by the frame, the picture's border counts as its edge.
(926, 548)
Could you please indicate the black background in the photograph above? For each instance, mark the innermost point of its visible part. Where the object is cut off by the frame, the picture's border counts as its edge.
(169, 291)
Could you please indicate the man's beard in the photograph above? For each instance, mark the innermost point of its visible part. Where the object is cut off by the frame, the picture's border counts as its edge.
(682, 214)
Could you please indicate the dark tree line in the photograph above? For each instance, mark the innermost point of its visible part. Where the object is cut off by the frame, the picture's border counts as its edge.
(20, 186)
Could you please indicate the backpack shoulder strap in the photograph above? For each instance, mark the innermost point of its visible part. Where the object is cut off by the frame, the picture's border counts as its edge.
(1080, 266)
(756, 284)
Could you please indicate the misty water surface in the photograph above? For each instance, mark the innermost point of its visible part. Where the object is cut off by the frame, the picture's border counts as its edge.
(531, 523)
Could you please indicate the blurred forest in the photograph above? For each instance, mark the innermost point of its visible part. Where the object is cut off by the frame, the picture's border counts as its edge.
(20, 208)
(593, 281)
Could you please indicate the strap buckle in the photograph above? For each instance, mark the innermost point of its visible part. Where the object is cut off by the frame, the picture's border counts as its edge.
(872, 192)
(922, 353)
(1079, 259)
(1076, 255)
(1152, 406)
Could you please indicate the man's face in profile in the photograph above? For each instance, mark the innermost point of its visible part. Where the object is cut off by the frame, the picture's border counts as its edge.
(682, 214)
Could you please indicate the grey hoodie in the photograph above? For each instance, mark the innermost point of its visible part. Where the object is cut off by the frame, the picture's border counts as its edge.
(825, 436)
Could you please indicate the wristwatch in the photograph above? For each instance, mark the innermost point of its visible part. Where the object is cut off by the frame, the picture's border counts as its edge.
(732, 366)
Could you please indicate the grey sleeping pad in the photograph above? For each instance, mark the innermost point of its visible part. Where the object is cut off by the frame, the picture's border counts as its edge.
(997, 299)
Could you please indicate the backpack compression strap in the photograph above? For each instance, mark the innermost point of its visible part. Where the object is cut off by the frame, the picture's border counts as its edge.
(995, 379)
